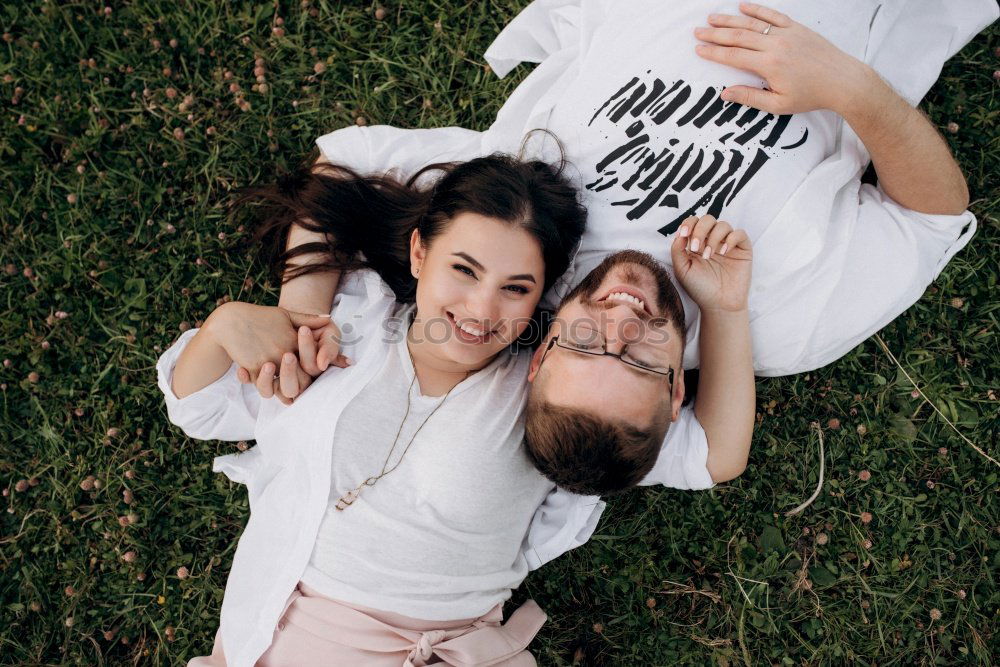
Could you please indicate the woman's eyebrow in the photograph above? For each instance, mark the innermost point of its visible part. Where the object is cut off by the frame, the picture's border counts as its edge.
(472, 260)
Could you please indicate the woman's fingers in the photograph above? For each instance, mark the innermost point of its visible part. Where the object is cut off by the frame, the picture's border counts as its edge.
(738, 22)
(700, 232)
(716, 237)
(739, 37)
(678, 256)
(265, 380)
(288, 379)
(737, 245)
(329, 347)
(772, 16)
(243, 375)
(307, 351)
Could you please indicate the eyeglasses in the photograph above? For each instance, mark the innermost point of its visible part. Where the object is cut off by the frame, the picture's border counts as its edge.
(596, 345)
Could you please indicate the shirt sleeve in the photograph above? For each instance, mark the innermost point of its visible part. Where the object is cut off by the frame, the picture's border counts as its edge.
(541, 29)
(381, 149)
(911, 39)
(683, 459)
(891, 256)
(224, 410)
(562, 522)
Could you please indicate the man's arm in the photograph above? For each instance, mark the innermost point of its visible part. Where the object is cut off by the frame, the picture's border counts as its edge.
(805, 72)
(915, 167)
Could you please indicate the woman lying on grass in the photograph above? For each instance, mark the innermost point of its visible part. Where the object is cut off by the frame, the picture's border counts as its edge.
(397, 486)
(393, 505)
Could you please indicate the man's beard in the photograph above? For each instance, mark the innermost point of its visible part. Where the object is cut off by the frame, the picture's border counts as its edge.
(667, 300)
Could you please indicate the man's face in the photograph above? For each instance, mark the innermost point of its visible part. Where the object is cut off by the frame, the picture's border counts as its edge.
(628, 300)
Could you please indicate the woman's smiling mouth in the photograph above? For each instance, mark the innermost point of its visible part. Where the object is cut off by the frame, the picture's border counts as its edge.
(468, 332)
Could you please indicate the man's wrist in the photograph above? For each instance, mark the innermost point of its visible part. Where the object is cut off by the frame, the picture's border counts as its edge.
(864, 95)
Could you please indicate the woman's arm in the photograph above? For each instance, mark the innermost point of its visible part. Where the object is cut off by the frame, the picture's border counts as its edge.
(313, 292)
(717, 277)
(203, 361)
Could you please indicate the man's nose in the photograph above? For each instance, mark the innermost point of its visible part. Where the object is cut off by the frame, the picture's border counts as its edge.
(621, 327)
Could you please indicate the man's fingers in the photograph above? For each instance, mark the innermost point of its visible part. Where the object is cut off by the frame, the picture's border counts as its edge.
(288, 379)
(738, 22)
(772, 16)
(749, 96)
(739, 37)
(733, 56)
(307, 351)
(264, 382)
(341, 361)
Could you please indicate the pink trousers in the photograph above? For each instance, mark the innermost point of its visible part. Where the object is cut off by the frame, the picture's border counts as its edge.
(317, 630)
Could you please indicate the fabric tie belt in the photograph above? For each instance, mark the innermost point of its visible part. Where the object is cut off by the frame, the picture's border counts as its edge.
(484, 641)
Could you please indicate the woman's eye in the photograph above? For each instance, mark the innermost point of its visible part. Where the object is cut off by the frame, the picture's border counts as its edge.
(464, 269)
(517, 289)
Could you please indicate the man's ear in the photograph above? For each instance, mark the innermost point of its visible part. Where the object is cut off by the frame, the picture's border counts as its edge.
(536, 361)
(418, 253)
(678, 398)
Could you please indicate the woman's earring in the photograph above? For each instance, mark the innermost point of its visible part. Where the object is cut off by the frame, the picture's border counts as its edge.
(416, 272)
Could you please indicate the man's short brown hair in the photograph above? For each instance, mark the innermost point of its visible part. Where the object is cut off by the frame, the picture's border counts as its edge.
(587, 455)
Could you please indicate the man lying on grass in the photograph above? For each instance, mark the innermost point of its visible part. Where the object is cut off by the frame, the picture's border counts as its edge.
(835, 259)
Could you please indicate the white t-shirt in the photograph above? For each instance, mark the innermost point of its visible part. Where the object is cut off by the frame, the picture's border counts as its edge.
(439, 537)
(649, 141)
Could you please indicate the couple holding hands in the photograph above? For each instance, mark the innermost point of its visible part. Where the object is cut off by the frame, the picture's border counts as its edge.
(471, 348)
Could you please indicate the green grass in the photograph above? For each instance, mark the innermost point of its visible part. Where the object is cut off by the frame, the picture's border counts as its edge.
(699, 578)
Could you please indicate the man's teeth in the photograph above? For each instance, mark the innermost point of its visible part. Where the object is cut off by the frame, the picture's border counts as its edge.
(626, 298)
(471, 330)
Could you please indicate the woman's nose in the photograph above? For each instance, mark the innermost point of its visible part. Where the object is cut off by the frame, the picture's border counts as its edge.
(484, 307)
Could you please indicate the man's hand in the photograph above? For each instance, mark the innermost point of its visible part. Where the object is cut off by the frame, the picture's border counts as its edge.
(804, 72)
(712, 262)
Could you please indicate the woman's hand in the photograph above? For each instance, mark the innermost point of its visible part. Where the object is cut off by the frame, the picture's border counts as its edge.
(804, 71)
(316, 348)
(712, 262)
(256, 336)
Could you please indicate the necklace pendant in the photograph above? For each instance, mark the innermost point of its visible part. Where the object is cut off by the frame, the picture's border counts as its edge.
(348, 499)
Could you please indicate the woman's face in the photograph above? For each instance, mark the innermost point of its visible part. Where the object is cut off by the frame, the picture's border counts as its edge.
(477, 287)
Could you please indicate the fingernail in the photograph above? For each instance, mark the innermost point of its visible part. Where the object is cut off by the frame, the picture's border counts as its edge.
(708, 253)
(695, 244)
(724, 248)
(685, 231)
(347, 360)
(304, 329)
(288, 358)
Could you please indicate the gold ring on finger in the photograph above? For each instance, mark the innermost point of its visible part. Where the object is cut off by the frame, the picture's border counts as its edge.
(767, 29)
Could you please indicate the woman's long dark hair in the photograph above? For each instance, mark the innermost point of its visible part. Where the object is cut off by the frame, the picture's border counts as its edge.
(367, 220)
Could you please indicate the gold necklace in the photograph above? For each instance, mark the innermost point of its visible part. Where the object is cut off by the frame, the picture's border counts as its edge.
(348, 498)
